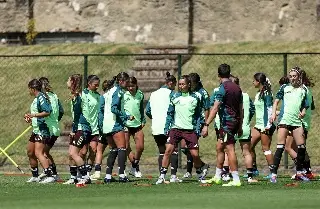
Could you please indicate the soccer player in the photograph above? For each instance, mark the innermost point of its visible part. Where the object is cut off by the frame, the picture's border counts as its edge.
(293, 109)
(245, 139)
(39, 110)
(291, 146)
(102, 143)
(263, 129)
(197, 87)
(133, 105)
(52, 122)
(228, 102)
(182, 123)
(114, 119)
(157, 109)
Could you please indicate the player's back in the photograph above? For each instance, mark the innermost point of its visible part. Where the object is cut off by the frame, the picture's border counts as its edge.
(231, 100)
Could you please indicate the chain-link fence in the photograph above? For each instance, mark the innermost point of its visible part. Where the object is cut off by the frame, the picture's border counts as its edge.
(17, 71)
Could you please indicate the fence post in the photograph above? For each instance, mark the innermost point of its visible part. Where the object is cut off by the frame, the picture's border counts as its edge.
(285, 72)
(85, 70)
(179, 76)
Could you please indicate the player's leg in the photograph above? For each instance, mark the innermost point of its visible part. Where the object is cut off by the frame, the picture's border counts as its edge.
(266, 139)
(139, 141)
(33, 160)
(255, 139)
(248, 161)
(120, 141)
(298, 136)
(281, 140)
(102, 144)
(113, 153)
(161, 141)
(185, 150)
(48, 146)
(92, 152)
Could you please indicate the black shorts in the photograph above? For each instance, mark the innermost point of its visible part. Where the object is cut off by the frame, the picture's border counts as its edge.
(51, 141)
(268, 132)
(38, 138)
(161, 139)
(133, 130)
(305, 132)
(288, 127)
(103, 139)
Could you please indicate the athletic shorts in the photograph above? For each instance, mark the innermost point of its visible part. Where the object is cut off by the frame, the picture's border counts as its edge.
(103, 139)
(133, 130)
(268, 132)
(82, 138)
(38, 138)
(305, 134)
(288, 127)
(191, 138)
(227, 136)
(51, 141)
(160, 139)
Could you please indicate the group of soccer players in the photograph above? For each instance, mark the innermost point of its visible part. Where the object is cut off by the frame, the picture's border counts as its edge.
(181, 116)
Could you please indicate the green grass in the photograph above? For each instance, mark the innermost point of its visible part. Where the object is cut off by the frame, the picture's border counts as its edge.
(16, 194)
(17, 71)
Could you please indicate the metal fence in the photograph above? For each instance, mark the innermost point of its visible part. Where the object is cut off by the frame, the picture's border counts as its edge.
(16, 71)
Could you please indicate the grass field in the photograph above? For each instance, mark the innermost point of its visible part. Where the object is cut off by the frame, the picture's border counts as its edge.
(17, 71)
(16, 194)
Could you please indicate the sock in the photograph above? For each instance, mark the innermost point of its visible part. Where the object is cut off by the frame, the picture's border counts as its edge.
(277, 158)
(174, 163)
(226, 169)
(254, 166)
(250, 172)
(235, 175)
(271, 167)
(163, 172)
(294, 161)
(160, 160)
(108, 176)
(307, 164)
(122, 156)
(73, 172)
(89, 167)
(111, 159)
(48, 171)
(199, 170)
(189, 162)
(97, 167)
(218, 173)
(35, 171)
(135, 163)
(83, 171)
(53, 168)
(301, 154)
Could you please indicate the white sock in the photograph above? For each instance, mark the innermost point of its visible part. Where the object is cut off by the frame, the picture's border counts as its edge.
(218, 173)
(108, 176)
(173, 176)
(122, 175)
(163, 176)
(235, 175)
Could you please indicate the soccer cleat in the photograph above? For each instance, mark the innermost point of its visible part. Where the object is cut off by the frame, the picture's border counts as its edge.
(254, 173)
(251, 180)
(187, 175)
(160, 181)
(71, 181)
(56, 177)
(124, 179)
(232, 184)
(138, 174)
(84, 181)
(267, 177)
(42, 175)
(135, 172)
(96, 175)
(214, 180)
(310, 175)
(47, 180)
(293, 177)
(225, 177)
(273, 179)
(204, 171)
(175, 180)
(33, 179)
(301, 177)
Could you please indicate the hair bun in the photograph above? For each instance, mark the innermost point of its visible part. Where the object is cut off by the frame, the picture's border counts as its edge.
(168, 74)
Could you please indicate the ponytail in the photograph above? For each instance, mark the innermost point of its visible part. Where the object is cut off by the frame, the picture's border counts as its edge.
(170, 78)
(108, 84)
(265, 82)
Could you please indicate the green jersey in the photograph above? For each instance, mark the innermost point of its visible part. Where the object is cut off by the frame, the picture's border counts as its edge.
(133, 105)
(57, 112)
(90, 109)
(212, 100)
(307, 118)
(248, 112)
(263, 105)
(39, 125)
(293, 101)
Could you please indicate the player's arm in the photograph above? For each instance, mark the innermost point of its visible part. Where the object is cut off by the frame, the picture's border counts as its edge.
(141, 109)
(279, 96)
(44, 108)
(252, 109)
(77, 110)
(148, 110)
(61, 110)
(101, 113)
(116, 106)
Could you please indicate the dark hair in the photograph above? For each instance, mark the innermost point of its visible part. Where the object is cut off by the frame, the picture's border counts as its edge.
(45, 84)
(123, 76)
(92, 78)
(170, 78)
(37, 85)
(76, 85)
(195, 78)
(188, 81)
(235, 79)
(108, 84)
(306, 80)
(224, 71)
(284, 80)
(133, 80)
(263, 80)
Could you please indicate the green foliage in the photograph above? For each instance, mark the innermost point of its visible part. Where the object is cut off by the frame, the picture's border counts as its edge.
(32, 33)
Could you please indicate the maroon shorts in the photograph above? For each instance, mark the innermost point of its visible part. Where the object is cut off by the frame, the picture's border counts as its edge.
(227, 136)
(133, 130)
(38, 138)
(191, 138)
(51, 141)
(82, 138)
